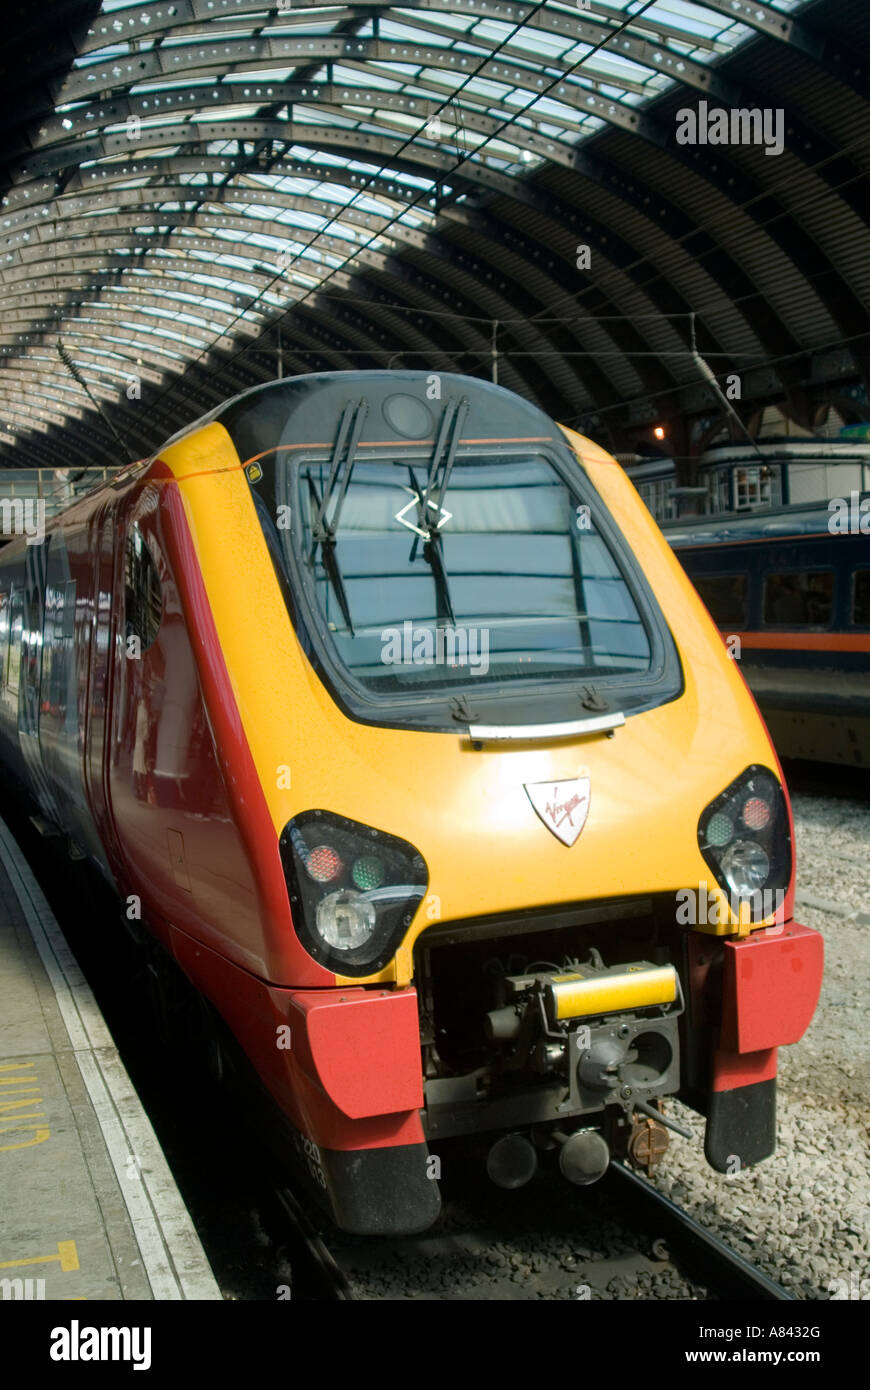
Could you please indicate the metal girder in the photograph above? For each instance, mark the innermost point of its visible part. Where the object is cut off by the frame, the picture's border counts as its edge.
(418, 159)
(202, 131)
(241, 223)
(85, 354)
(67, 136)
(92, 350)
(27, 284)
(576, 224)
(95, 115)
(847, 65)
(163, 291)
(79, 330)
(197, 130)
(184, 60)
(205, 217)
(24, 388)
(151, 291)
(144, 21)
(644, 42)
(96, 313)
(42, 214)
(18, 406)
(272, 229)
(32, 376)
(36, 214)
(189, 60)
(34, 451)
(47, 447)
(55, 390)
(415, 283)
(69, 328)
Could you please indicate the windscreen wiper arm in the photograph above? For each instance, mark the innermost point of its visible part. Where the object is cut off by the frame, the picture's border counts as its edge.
(330, 563)
(340, 469)
(433, 557)
(437, 478)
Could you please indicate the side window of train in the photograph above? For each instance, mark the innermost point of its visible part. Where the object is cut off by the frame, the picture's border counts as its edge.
(143, 596)
(16, 623)
(861, 598)
(58, 688)
(725, 597)
(799, 598)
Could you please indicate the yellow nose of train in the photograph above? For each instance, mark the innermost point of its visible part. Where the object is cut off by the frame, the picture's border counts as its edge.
(522, 802)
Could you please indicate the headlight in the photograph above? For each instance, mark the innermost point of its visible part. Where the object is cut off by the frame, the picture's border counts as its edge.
(744, 837)
(346, 920)
(353, 890)
(745, 866)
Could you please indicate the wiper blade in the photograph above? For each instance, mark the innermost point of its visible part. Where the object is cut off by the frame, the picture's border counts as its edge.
(437, 479)
(439, 473)
(330, 563)
(434, 558)
(340, 468)
(323, 527)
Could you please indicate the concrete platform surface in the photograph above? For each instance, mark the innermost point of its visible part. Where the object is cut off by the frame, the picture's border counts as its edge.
(88, 1206)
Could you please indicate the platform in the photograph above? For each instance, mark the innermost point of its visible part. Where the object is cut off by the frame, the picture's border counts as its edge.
(88, 1207)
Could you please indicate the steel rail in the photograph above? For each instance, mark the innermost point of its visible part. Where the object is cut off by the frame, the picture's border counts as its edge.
(706, 1251)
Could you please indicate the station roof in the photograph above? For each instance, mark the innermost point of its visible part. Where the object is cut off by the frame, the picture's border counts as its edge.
(204, 194)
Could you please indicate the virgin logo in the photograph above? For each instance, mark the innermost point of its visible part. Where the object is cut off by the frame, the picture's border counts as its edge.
(562, 806)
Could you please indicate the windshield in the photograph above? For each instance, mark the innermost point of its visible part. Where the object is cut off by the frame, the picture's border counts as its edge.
(501, 576)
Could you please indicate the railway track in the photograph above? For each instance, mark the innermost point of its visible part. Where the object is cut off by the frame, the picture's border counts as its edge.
(698, 1249)
(667, 1254)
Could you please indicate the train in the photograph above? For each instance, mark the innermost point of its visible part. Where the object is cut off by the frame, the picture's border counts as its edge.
(396, 727)
(789, 589)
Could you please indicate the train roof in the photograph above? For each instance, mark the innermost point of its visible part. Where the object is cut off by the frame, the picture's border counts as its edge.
(772, 522)
(402, 406)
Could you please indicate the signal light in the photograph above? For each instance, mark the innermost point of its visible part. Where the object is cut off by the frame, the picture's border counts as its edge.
(743, 834)
(719, 830)
(756, 813)
(323, 864)
(353, 889)
(368, 872)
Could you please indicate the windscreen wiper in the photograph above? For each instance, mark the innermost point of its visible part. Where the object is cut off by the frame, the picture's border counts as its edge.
(439, 475)
(433, 557)
(323, 527)
(340, 468)
(330, 563)
(437, 478)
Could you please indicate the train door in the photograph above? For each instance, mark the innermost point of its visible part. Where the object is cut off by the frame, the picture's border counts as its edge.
(29, 695)
(96, 678)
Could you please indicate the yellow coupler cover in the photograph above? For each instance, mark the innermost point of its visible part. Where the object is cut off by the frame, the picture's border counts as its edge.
(635, 987)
